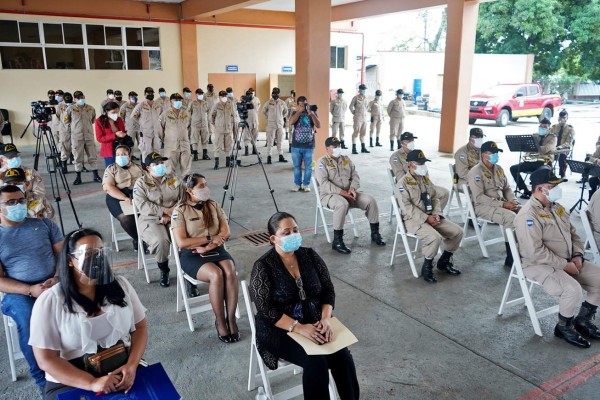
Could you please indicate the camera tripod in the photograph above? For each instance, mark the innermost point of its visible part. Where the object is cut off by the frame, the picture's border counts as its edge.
(234, 164)
(45, 142)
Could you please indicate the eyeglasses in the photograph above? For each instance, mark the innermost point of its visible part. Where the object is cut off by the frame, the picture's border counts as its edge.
(301, 291)
(13, 202)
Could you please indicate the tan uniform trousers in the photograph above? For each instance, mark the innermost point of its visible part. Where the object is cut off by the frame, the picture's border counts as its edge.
(443, 194)
(360, 127)
(340, 207)
(568, 287)
(335, 126)
(65, 145)
(84, 145)
(274, 132)
(497, 215)
(396, 128)
(199, 137)
(375, 124)
(250, 135)
(149, 144)
(179, 159)
(157, 239)
(431, 237)
(223, 143)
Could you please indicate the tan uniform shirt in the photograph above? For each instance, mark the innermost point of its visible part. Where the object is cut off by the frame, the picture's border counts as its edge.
(61, 108)
(222, 117)
(375, 108)
(275, 111)
(396, 108)
(409, 191)
(152, 197)
(465, 158)
(546, 237)
(35, 191)
(175, 130)
(337, 108)
(253, 113)
(164, 102)
(568, 134)
(547, 148)
(80, 120)
(290, 103)
(122, 178)
(334, 176)
(211, 99)
(595, 157)
(398, 163)
(199, 112)
(593, 211)
(489, 189)
(185, 215)
(358, 107)
(148, 116)
(131, 124)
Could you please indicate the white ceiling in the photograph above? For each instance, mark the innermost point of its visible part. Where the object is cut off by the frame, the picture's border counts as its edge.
(289, 5)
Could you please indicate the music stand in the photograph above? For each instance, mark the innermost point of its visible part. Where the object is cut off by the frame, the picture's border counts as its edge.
(522, 143)
(585, 169)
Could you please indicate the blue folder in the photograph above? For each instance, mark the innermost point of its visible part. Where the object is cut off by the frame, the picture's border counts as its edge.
(151, 383)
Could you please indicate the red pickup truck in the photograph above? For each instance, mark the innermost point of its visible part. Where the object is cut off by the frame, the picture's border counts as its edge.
(509, 102)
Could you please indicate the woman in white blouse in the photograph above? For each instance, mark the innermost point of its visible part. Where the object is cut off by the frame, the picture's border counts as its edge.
(89, 310)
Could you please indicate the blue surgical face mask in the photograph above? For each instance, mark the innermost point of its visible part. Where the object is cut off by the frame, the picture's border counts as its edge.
(162, 94)
(554, 194)
(133, 99)
(81, 102)
(187, 94)
(16, 213)
(378, 97)
(122, 160)
(542, 131)
(494, 158)
(59, 98)
(177, 104)
(159, 170)
(362, 91)
(230, 95)
(291, 243)
(14, 162)
(340, 95)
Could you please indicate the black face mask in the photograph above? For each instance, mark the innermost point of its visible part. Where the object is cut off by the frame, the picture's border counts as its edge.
(51, 98)
(199, 205)
(68, 101)
(275, 96)
(150, 96)
(119, 98)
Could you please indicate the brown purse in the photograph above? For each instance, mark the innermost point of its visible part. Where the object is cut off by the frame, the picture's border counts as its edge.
(106, 360)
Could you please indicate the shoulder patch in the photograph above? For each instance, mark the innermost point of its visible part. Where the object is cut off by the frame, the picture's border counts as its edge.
(560, 210)
(461, 156)
(172, 182)
(396, 159)
(345, 163)
(401, 189)
(321, 166)
(529, 222)
(174, 215)
(477, 178)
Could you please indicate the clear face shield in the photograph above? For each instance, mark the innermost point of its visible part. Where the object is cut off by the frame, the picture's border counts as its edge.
(94, 264)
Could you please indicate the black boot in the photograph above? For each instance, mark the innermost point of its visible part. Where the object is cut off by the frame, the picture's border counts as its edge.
(209, 139)
(96, 176)
(269, 160)
(427, 271)
(246, 150)
(338, 242)
(164, 273)
(445, 264)
(583, 322)
(363, 148)
(253, 150)
(354, 149)
(216, 163)
(227, 162)
(192, 289)
(282, 159)
(77, 180)
(565, 330)
(205, 155)
(195, 153)
(64, 167)
(287, 135)
(391, 145)
(343, 144)
(376, 236)
(377, 144)
(370, 142)
(399, 144)
(508, 261)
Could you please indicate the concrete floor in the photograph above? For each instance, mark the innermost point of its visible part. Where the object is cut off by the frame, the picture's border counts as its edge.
(416, 341)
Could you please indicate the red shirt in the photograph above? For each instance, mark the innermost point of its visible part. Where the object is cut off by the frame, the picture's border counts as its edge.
(106, 136)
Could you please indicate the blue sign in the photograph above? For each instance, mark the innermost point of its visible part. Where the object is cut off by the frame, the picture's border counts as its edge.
(287, 68)
(231, 68)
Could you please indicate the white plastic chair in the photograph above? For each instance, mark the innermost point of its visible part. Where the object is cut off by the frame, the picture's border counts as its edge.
(320, 211)
(526, 286)
(479, 224)
(12, 343)
(392, 179)
(283, 367)
(590, 242)
(116, 236)
(401, 231)
(143, 261)
(454, 194)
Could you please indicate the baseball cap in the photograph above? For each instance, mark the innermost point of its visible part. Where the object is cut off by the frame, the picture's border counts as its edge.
(222, 93)
(362, 86)
(14, 174)
(378, 92)
(491, 147)
(229, 90)
(153, 158)
(544, 175)
(407, 136)
(477, 132)
(399, 91)
(545, 121)
(176, 96)
(340, 90)
(563, 113)
(332, 141)
(187, 89)
(9, 150)
(417, 156)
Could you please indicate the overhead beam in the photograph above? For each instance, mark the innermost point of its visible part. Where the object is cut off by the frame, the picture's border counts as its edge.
(253, 17)
(192, 9)
(371, 8)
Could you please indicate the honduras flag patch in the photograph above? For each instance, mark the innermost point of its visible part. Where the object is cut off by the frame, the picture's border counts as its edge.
(529, 222)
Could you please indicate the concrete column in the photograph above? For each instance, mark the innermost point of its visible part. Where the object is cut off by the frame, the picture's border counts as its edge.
(313, 25)
(189, 56)
(458, 67)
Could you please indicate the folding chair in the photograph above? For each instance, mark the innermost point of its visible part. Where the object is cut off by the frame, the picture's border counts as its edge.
(142, 259)
(454, 193)
(401, 231)
(264, 373)
(590, 242)
(12, 343)
(517, 273)
(392, 179)
(479, 224)
(117, 236)
(320, 210)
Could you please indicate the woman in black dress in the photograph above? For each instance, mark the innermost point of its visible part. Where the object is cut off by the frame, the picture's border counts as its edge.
(201, 229)
(292, 291)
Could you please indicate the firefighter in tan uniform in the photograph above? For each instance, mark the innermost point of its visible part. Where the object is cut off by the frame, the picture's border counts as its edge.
(396, 110)
(291, 105)
(131, 124)
(175, 125)
(199, 132)
(493, 198)
(338, 187)
(30, 183)
(79, 119)
(565, 138)
(337, 108)
(552, 254)
(187, 98)
(119, 98)
(212, 99)
(358, 108)
(375, 108)
(251, 135)
(147, 113)
(593, 211)
(399, 165)
(64, 144)
(223, 117)
(163, 99)
(233, 101)
(468, 156)
(274, 110)
(110, 96)
(422, 216)
(155, 195)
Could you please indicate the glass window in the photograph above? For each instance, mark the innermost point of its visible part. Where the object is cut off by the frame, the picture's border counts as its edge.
(134, 59)
(154, 60)
(151, 37)
(134, 36)
(30, 32)
(9, 31)
(113, 36)
(22, 57)
(533, 90)
(65, 58)
(144, 60)
(95, 35)
(53, 33)
(333, 57)
(341, 57)
(73, 34)
(106, 59)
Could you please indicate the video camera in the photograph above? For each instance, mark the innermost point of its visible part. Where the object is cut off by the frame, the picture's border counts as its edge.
(311, 107)
(243, 106)
(42, 111)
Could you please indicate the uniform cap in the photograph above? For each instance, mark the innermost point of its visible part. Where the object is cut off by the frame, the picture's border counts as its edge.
(476, 132)
(545, 121)
(276, 90)
(60, 92)
(110, 91)
(9, 150)
(176, 96)
(77, 93)
(399, 91)
(544, 175)
(340, 90)
(149, 90)
(563, 113)
(132, 93)
(210, 85)
(187, 89)
(222, 93)
(14, 174)
(378, 92)
(417, 156)
(199, 91)
(51, 92)
(153, 158)
(407, 136)
(162, 89)
(490, 146)
(362, 86)
(118, 92)
(332, 141)
(229, 90)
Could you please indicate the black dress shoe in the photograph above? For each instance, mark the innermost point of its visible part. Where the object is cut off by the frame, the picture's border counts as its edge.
(77, 180)
(586, 327)
(224, 339)
(164, 278)
(192, 290)
(233, 337)
(571, 336)
(269, 160)
(377, 239)
(427, 271)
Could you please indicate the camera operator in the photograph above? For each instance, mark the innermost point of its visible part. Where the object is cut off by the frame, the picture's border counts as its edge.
(304, 122)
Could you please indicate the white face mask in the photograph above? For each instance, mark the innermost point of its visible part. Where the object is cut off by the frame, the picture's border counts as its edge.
(478, 143)
(554, 194)
(200, 97)
(337, 151)
(410, 145)
(113, 116)
(223, 99)
(421, 170)
(111, 96)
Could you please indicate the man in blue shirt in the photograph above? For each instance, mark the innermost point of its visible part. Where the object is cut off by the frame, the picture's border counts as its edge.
(304, 121)
(28, 255)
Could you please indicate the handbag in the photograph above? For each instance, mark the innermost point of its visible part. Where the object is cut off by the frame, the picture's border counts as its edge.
(106, 360)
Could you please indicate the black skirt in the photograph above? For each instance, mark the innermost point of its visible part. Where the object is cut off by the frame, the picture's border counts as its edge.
(114, 205)
(191, 262)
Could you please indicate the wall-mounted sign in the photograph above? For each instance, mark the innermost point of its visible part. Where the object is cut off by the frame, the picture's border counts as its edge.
(287, 68)
(231, 68)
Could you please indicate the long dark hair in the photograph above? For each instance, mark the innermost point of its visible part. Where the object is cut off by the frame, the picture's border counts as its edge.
(111, 105)
(274, 221)
(190, 181)
(112, 293)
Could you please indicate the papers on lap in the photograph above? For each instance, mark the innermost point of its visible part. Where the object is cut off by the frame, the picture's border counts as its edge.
(126, 207)
(342, 337)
